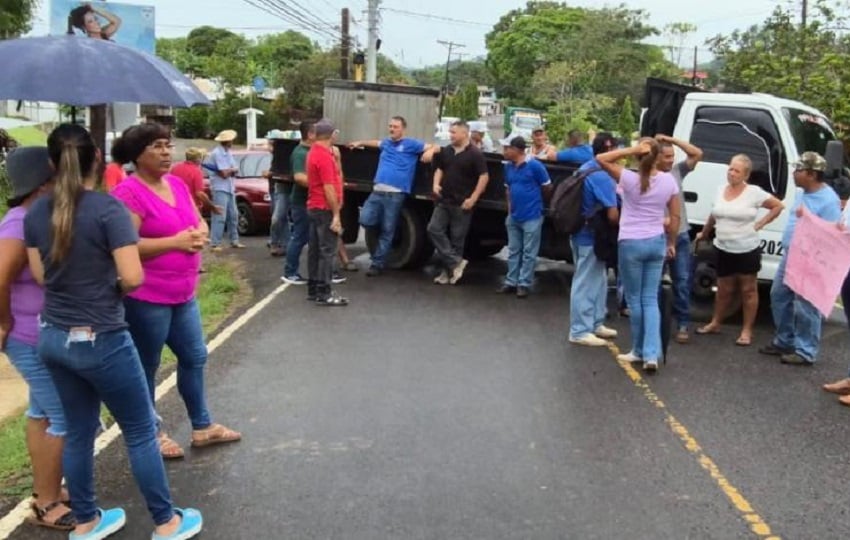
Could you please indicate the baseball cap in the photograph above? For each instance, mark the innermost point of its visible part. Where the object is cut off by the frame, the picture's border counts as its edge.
(514, 142)
(810, 161)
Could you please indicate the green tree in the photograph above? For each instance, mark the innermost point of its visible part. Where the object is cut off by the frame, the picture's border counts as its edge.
(16, 17)
(274, 53)
(627, 123)
(391, 73)
(464, 104)
(677, 35)
(176, 51)
(204, 41)
(304, 82)
(525, 41)
(809, 64)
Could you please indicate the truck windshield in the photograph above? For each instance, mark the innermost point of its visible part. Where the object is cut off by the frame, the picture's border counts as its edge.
(527, 122)
(811, 132)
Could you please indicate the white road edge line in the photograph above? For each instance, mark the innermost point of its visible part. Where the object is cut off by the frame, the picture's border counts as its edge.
(11, 521)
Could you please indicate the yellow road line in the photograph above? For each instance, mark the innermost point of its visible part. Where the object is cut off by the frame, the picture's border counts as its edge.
(756, 523)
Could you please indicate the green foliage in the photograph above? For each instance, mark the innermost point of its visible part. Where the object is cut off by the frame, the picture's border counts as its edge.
(204, 41)
(809, 64)
(224, 114)
(627, 122)
(193, 123)
(277, 52)
(304, 82)
(461, 73)
(464, 104)
(390, 73)
(16, 17)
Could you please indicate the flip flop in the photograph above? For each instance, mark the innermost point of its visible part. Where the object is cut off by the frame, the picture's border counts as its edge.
(743, 342)
(215, 434)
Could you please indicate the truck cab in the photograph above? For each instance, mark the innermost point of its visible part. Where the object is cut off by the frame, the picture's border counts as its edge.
(772, 131)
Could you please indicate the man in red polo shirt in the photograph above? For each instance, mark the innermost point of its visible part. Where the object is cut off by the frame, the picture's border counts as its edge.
(324, 200)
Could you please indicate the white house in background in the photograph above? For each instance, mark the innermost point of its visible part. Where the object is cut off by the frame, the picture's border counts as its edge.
(488, 102)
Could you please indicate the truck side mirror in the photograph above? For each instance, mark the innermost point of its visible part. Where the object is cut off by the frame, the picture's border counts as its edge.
(834, 156)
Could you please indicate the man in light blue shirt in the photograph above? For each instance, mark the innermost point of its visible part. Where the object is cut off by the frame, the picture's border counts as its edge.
(797, 321)
(393, 182)
(576, 153)
(223, 169)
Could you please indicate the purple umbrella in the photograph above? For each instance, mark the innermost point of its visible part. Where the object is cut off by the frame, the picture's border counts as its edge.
(82, 71)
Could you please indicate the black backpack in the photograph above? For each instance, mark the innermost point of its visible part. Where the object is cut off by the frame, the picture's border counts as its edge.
(565, 206)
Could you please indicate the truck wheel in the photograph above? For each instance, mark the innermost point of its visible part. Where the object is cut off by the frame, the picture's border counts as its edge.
(245, 219)
(410, 246)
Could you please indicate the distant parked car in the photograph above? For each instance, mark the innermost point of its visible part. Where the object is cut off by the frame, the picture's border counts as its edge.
(252, 191)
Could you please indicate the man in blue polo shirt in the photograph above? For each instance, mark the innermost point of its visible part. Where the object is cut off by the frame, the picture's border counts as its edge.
(525, 181)
(576, 152)
(393, 181)
(589, 288)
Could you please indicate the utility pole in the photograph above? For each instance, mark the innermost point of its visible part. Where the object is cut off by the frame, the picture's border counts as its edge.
(372, 52)
(451, 45)
(695, 79)
(345, 47)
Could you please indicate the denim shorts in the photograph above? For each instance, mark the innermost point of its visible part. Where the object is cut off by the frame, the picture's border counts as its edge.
(44, 403)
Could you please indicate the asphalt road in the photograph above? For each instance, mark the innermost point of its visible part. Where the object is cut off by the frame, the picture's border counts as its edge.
(427, 412)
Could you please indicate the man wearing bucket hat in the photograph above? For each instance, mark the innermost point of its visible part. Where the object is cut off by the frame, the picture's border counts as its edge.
(21, 300)
(798, 322)
(224, 191)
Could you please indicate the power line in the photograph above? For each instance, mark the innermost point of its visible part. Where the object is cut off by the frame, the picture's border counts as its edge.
(274, 9)
(434, 17)
(293, 13)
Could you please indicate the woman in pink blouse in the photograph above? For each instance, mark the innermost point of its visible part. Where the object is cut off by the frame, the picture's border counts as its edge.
(164, 310)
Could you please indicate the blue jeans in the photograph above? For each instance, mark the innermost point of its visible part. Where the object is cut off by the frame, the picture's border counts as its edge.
(279, 230)
(298, 239)
(44, 403)
(179, 326)
(641, 262)
(227, 201)
(523, 246)
(381, 211)
(798, 323)
(680, 271)
(588, 292)
(104, 369)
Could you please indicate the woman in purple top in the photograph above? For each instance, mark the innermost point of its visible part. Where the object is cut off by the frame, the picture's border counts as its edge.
(21, 300)
(163, 311)
(649, 196)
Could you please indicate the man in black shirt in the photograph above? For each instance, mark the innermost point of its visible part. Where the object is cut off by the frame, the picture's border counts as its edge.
(459, 181)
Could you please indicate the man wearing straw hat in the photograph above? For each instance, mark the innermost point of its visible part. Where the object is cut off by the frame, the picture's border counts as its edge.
(223, 169)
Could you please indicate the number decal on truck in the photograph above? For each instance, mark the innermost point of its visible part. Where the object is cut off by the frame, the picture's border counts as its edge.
(772, 247)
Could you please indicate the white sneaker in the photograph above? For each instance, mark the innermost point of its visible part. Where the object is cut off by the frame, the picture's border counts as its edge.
(589, 340)
(605, 332)
(650, 366)
(457, 272)
(442, 279)
(629, 357)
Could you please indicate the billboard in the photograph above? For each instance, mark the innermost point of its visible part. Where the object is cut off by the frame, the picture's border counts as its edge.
(126, 24)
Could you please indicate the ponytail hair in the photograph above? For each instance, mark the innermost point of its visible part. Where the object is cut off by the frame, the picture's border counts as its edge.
(74, 156)
(647, 162)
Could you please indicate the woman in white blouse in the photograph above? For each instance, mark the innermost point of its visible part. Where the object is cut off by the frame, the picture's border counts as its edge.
(733, 216)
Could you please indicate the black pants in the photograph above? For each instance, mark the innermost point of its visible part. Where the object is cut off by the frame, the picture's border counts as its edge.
(845, 297)
(447, 229)
(320, 256)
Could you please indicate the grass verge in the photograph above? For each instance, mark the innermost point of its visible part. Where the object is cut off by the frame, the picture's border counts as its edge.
(219, 294)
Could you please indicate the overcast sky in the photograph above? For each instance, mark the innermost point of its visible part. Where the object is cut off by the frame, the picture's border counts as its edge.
(412, 39)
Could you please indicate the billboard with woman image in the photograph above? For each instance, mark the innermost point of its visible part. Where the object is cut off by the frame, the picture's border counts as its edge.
(127, 24)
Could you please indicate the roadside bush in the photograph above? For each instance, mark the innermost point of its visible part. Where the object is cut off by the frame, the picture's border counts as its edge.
(192, 123)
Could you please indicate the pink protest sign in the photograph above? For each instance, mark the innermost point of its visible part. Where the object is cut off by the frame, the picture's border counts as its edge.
(818, 260)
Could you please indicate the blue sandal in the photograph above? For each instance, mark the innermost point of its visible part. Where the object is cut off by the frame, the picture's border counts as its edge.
(111, 521)
(191, 523)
